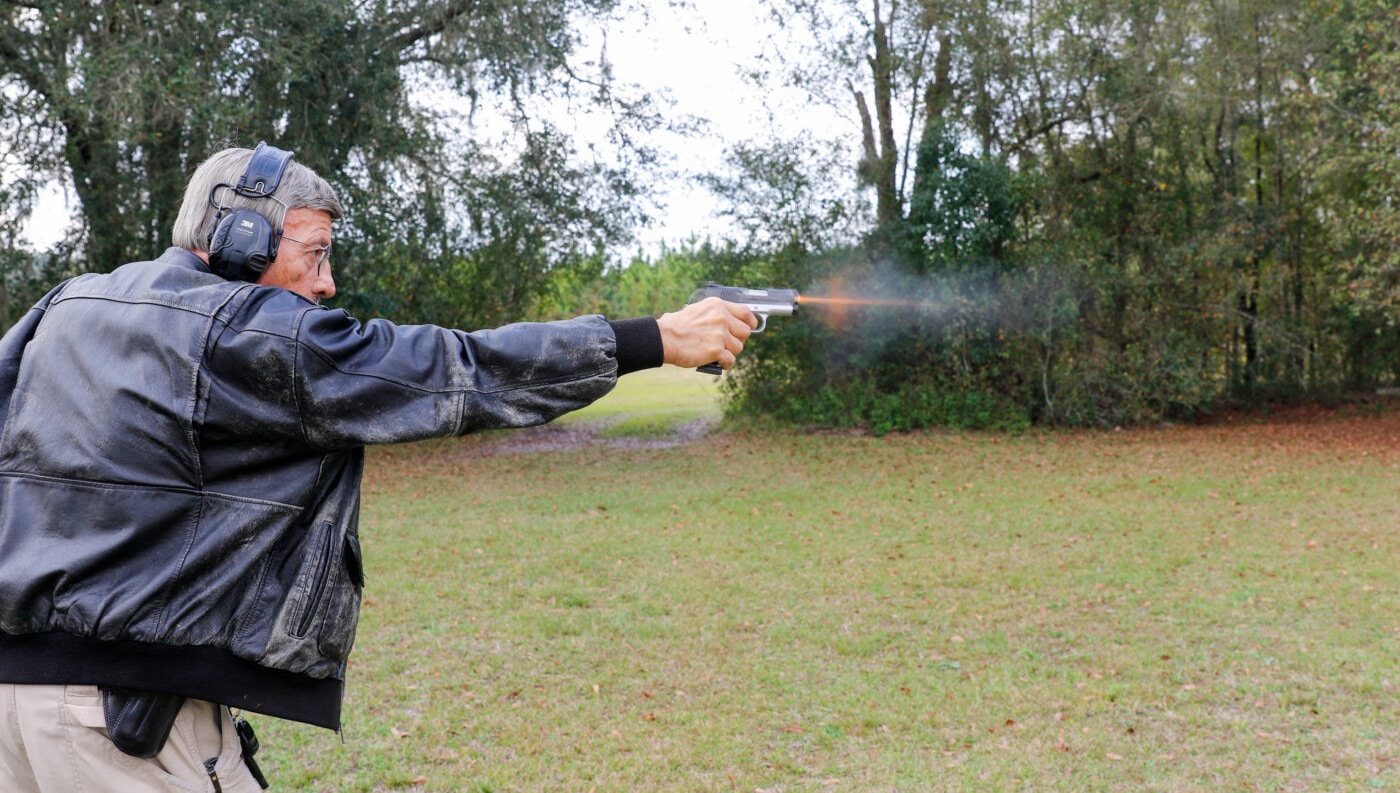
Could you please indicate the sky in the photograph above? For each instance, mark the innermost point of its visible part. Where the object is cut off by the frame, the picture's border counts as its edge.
(48, 220)
(692, 54)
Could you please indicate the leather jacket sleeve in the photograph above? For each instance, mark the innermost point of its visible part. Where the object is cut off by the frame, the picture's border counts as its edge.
(351, 384)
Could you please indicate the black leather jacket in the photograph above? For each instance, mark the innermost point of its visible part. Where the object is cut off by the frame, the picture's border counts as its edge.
(180, 466)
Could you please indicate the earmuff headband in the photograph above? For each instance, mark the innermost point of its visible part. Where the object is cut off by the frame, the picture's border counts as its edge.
(264, 171)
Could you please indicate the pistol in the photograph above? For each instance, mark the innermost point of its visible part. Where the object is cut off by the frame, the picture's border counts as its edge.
(763, 302)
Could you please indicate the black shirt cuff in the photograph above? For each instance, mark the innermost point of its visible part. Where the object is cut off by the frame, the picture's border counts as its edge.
(638, 344)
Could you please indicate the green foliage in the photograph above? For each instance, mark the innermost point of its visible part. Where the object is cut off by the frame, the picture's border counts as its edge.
(527, 223)
(122, 100)
(643, 288)
(936, 354)
(963, 208)
(906, 407)
(1361, 168)
(775, 193)
(1124, 214)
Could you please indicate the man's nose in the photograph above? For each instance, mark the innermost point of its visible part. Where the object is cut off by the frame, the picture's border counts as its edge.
(325, 284)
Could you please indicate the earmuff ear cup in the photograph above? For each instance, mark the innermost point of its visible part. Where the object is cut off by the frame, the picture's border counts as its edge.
(242, 246)
(244, 243)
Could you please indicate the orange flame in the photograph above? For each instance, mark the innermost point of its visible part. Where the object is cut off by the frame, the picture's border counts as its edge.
(857, 301)
(838, 313)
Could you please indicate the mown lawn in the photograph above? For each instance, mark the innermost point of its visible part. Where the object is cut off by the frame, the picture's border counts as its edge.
(1177, 609)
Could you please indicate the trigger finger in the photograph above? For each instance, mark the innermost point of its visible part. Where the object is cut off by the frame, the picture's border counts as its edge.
(747, 326)
(744, 314)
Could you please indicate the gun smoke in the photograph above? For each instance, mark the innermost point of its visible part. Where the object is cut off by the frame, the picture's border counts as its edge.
(869, 308)
(886, 296)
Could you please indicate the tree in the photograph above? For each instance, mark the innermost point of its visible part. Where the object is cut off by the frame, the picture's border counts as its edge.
(945, 203)
(1362, 168)
(122, 100)
(1145, 202)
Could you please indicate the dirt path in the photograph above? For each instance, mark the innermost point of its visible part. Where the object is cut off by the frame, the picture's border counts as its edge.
(589, 434)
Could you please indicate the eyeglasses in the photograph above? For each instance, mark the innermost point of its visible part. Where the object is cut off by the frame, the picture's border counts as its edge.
(323, 252)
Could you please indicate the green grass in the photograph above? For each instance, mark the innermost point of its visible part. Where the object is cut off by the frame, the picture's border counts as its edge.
(652, 402)
(1189, 609)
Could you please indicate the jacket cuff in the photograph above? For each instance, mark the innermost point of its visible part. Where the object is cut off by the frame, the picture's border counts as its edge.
(638, 344)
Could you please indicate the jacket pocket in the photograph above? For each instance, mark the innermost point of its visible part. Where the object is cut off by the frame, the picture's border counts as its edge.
(327, 595)
(316, 576)
(343, 606)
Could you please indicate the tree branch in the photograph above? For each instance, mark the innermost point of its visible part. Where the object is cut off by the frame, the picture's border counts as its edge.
(1024, 140)
(870, 156)
(441, 19)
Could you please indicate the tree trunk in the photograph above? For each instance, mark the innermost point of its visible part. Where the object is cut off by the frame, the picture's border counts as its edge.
(888, 207)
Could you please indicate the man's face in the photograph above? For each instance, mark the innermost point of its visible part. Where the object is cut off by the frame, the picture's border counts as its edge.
(303, 259)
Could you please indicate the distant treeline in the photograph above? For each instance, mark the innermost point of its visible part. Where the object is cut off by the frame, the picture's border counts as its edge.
(1094, 213)
(1072, 212)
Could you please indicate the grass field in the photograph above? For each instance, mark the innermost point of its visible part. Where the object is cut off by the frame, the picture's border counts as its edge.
(1193, 608)
(651, 403)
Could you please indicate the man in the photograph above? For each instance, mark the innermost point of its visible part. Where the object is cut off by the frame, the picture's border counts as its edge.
(180, 463)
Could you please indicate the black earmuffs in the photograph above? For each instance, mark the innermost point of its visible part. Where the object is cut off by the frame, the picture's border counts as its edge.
(244, 242)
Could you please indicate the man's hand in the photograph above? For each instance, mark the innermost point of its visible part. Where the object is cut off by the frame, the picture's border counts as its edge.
(710, 331)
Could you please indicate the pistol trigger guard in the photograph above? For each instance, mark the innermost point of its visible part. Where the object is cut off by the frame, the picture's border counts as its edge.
(762, 323)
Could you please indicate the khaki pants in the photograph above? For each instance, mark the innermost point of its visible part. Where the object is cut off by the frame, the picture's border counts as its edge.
(53, 739)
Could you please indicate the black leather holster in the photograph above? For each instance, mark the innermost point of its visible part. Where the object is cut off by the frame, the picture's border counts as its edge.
(138, 722)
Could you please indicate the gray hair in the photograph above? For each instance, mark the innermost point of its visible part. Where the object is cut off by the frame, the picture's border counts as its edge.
(300, 188)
